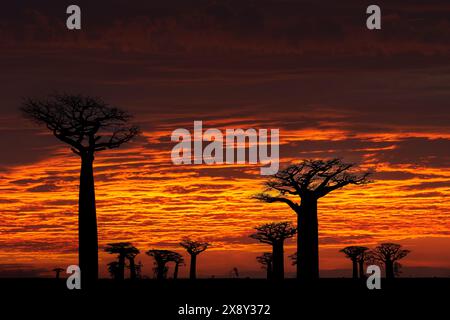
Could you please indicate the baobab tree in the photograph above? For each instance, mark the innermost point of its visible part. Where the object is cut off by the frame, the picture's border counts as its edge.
(88, 125)
(275, 234)
(309, 181)
(123, 251)
(58, 272)
(388, 254)
(362, 259)
(356, 255)
(194, 248)
(131, 255)
(162, 257)
(266, 260)
(179, 261)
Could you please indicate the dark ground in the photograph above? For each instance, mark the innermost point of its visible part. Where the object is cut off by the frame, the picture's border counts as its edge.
(151, 299)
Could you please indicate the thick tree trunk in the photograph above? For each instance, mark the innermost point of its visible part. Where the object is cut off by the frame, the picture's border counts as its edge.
(132, 269)
(175, 271)
(362, 274)
(160, 275)
(269, 270)
(87, 225)
(308, 240)
(121, 271)
(389, 269)
(355, 269)
(193, 273)
(278, 263)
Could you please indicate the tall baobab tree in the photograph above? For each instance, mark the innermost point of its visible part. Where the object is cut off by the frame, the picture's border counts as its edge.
(123, 251)
(162, 257)
(194, 248)
(388, 254)
(309, 181)
(266, 260)
(356, 255)
(88, 125)
(58, 272)
(275, 234)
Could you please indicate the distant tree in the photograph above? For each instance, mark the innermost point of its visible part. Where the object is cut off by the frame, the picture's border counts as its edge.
(123, 250)
(388, 254)
(179, 261)
(362, 260)
(162, 257)
(309, 181)
(58, 272)
(266, 260)
(356, 255)
(131, 255)
(194, 248)
(87, 125)
(275, 234)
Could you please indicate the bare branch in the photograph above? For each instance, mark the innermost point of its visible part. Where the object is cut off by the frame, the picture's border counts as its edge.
(269, 199)
(81, 121)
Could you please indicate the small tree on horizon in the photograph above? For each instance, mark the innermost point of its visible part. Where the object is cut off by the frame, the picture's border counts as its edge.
(131, 255)
(275, 234)
(57, 272)
(266, 260)
(194, 248)
(162, 257)
(388, 254)
(123, 250)
(356, 255)
(179, 261)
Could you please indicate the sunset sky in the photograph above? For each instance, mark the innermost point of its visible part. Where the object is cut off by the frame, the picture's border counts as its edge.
(334, 89)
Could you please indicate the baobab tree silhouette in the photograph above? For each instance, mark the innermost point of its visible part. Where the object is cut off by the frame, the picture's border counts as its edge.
(87, 125)
(123, 251)
(266, 260)
(388, 254)
(309, 181)
(58, 272)
(162, 257)
(194, 248)
(356, 254)
(131, 255)
(275, 234)
(179, 261)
